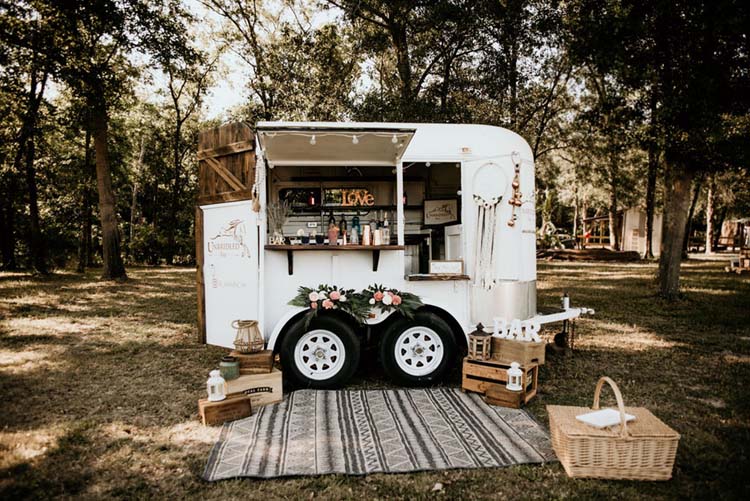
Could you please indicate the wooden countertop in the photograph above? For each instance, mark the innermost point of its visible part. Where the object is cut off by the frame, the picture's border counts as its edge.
(323, 247)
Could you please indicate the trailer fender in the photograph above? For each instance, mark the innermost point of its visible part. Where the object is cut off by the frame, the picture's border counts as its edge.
(462, 339)
(289, 317)
(295, 314)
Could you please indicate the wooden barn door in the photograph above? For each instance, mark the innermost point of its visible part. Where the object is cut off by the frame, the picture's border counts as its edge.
(226, 231)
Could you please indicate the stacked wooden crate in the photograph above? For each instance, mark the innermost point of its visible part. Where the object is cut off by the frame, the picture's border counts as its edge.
(259, 384)
(490, 377)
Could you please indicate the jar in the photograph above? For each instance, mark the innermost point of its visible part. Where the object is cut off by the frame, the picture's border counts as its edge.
(229, 367)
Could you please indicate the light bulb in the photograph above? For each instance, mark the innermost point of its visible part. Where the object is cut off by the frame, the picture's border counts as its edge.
(355, 140)
(312, 139)
(427, 164)
(393, 139)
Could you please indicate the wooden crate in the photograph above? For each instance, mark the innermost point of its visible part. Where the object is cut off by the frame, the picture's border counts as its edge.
(230, 409)
(260, 362)
(510, 350)
(263, 389)
(498, 394)
(479, 375)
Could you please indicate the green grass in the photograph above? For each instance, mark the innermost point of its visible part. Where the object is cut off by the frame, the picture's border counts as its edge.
(99, 385)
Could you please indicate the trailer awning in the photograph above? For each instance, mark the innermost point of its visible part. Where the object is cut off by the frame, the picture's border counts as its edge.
(300, 143)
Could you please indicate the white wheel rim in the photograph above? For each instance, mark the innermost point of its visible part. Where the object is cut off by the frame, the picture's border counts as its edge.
(319, 354)
(419, 351)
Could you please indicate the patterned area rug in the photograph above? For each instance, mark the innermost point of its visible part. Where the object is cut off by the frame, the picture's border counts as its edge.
(367, 431)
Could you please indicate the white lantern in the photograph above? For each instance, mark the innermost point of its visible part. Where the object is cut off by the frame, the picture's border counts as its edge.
(514, 377)
(216, 386)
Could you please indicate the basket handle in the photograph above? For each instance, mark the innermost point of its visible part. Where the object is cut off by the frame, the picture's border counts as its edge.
(618, 396)
(235, 324)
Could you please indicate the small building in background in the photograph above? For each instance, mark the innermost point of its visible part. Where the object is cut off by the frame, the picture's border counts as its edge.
(632, 226)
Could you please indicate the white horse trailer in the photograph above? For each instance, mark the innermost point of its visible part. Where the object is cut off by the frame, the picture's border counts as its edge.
(461, 207)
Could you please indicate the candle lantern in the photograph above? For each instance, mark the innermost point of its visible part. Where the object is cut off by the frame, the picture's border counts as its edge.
(514, 377)
(248, 339)
(480, 344)
(216, 386)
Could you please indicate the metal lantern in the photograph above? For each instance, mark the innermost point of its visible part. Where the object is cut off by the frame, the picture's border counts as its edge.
(514, 377)
(480, 344)
(216, 386)
(248, 339)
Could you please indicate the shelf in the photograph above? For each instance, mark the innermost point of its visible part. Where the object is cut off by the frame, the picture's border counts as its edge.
(375, 249)
(424, 277)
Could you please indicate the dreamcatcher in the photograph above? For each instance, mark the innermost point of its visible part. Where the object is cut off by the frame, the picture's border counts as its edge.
(488, 188)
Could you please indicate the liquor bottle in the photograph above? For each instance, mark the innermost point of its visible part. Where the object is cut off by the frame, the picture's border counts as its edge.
(386, 231)
(355, 224)
(343, 229)
(331, 219)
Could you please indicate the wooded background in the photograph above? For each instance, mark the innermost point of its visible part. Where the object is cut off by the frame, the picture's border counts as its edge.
(625, 103)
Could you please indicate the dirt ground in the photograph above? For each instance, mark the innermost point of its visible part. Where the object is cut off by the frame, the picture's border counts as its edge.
(99, 385)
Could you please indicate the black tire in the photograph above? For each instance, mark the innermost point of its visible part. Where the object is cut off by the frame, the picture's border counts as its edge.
(351, 347)
(388, 349)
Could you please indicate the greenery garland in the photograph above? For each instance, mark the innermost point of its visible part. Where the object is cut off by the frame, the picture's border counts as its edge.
(357, 304)
(385, 299)
(326, 297)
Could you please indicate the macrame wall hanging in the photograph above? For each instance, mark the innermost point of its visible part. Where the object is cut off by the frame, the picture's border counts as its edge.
(259, 170)
(487, 189)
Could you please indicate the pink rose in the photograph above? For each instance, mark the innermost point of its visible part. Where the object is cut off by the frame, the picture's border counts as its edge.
(378, 296)
(327, 304)
(396, 300)
(313, 305)
(335, 295)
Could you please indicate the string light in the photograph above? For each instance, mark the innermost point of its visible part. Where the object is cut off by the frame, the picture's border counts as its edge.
(355, 140)
(312, 139)
(394, 140)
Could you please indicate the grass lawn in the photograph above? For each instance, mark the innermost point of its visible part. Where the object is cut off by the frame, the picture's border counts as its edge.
(100, 381)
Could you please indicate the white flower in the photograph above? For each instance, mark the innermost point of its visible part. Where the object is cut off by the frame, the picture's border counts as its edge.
(342, 298)
(313, 296)
(372, 301)
(387, 299)
(322, 294)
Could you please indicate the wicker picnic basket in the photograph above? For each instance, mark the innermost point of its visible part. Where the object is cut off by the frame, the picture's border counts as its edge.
(643, 449)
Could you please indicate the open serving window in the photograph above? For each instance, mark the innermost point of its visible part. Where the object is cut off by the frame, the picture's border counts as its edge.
(346, 188)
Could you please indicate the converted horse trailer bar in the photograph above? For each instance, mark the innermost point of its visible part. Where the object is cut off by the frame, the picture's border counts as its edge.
(458, 201)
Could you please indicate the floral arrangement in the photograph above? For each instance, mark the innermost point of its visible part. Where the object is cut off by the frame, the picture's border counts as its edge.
(357, 304)
(326, 297)
(386, 299)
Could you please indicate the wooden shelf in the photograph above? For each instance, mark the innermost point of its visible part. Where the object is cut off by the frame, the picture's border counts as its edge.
(435, 277)
(290, 249)
(324, 247)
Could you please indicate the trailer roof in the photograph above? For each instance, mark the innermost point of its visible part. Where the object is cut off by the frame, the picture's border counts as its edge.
(334, 143)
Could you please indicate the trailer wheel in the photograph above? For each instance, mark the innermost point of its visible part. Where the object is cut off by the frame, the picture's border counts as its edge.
(418, 352)
(324, 355)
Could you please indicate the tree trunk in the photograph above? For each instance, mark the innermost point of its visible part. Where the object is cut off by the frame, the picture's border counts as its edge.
(676, 206)
(174, 199)
(114, 267)
(134, 198)
(575, 217)
(653, 167)
(719, 223)
(614, 234)
(691, 212)
(36, 245)
(84, 243)
(710, 216)
(584, 228)
(7, 233)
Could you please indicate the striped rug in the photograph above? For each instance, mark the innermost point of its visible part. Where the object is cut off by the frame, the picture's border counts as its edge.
(367, 431)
